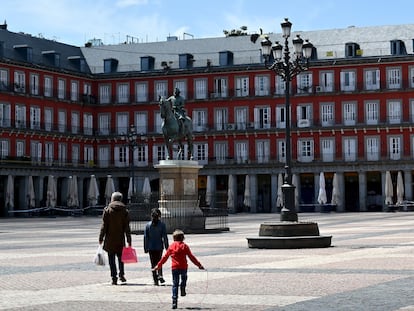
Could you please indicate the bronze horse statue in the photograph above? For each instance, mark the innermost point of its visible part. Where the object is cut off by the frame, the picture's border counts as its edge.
(174, 131)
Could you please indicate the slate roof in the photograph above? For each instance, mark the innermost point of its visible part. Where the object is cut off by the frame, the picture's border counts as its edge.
(330, 44)
(43, 51)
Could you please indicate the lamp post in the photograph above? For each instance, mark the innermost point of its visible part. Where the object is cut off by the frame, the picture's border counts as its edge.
(287, 68)
(131, 141)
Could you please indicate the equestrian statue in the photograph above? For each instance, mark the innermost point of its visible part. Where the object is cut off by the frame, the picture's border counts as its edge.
(176, 125)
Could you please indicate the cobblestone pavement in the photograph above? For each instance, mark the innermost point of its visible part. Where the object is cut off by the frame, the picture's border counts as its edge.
(46, 264)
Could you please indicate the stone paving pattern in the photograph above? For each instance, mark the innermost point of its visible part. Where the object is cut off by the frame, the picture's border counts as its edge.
(46, 264)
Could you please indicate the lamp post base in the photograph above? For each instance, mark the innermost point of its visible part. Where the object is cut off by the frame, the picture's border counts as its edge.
(286, 235)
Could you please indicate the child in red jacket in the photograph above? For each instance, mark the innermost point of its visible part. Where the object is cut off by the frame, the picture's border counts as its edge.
(178, 251)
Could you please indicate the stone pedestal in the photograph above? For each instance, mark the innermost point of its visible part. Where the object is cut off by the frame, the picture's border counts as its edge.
(179, 203)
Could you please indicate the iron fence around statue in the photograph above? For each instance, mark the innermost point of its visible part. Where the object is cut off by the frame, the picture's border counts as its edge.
(176, 211)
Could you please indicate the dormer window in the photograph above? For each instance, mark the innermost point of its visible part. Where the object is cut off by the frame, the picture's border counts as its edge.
(186, 61)
(52, 57)
(398, 47)
(225, 58)
(110, 65)
(25, 51)
(147, 63)
(79, 62)
(352, 49)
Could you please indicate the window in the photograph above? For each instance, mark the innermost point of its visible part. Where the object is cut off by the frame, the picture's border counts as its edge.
(158, 122)
(220, 119)
(304, 115)
(141, 91)
(280, 85)
(4, 149)
(160, 89)
(372, 148)
(104, 124)
(281, 150)
(305, 150)
(48, 87)
(4, 79)
(49, 153)
(241, 118)
(395, 147)
(280, 116)
(88, 156)
(242, 152)
(61, 89)
(110, 65)
(20, 148)
(326, 82)
(348, 81)
(220, 88)
(34, 84)
(225, 58)
(371, 113)
(74, 91)
(103, 156)
(36, 152)
(5, 115)
(159, 153)
(141, 122)
(220, 152)
(75, 154)
(327, 114)
(75, 122)
(141, 155)
(147, 63)
(349, 113)
(327, 149)
(123, 93)
(48, 119)
(19, 82)
(304, 83)
(20, 116)
(200, 88)
(199, 120)
(62, 121)
(350, 152)
(262, 117)
(394, 112)
(261, 85)
(122, 123)
(182, 86)
(242, 86)
(372, 79)
(87, 124)
(262, 151)
(35, 118)
(393, 78)
(411, 77)
(201, 153)
(105, 94)
(62, 154)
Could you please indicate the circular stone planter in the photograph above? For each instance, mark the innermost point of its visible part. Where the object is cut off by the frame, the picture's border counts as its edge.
(283, 229)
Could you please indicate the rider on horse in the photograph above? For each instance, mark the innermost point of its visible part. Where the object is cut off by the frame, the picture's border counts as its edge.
(178, 107)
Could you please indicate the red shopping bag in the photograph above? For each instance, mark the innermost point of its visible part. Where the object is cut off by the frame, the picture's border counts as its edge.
(129, 255)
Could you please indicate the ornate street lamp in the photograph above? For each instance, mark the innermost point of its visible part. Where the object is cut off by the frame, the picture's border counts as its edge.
(287, 69)
(130, 139)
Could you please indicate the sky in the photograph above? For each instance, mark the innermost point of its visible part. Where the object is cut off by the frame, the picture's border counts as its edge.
(115, 21)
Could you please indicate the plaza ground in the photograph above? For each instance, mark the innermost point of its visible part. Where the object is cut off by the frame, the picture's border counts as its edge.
(46, 264)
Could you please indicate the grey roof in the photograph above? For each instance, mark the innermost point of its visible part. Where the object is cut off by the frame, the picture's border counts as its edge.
(373, 41)
(43, 50)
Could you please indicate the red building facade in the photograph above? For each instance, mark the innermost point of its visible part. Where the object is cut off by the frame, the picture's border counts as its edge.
(64, 111)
